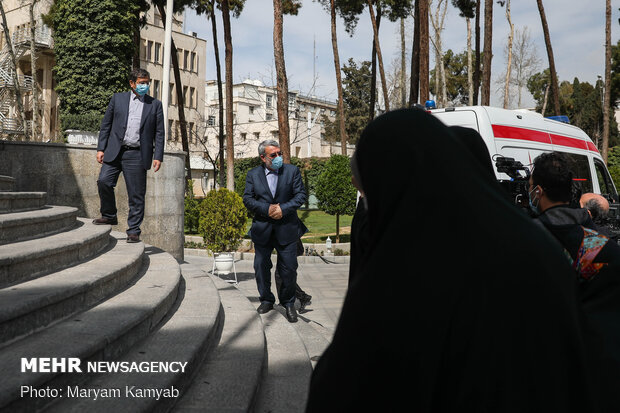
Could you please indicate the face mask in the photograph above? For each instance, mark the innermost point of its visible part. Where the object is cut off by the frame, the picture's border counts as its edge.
(276, 163)
(142, 89)
(532, 206)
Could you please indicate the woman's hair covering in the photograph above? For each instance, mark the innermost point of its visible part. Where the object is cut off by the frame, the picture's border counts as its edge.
(467, 306)
(474, 142)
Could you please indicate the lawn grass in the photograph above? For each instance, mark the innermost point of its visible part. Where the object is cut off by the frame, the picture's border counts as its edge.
(320, 225)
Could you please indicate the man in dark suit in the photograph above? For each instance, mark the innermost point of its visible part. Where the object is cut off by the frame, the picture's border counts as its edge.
(131, 136)
(273, 193)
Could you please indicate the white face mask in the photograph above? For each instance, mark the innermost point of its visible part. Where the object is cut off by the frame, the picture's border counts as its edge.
(532, 206)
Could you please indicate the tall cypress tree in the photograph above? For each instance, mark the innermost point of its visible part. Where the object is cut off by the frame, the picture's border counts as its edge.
(93, 47)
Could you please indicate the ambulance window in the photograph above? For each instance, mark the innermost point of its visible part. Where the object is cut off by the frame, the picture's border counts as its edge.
(604, 181)
(581, 171)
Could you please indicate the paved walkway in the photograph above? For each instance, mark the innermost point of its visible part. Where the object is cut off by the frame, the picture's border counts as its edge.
(326, 283)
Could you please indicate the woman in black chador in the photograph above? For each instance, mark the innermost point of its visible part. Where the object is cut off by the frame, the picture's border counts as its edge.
(462, 304)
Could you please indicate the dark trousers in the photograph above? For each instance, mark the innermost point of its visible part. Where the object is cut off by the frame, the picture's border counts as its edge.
(299, 293)
(129, 162)
(286, 268)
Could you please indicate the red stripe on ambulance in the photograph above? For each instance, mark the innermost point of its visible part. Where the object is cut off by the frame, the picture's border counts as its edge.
(512, 132)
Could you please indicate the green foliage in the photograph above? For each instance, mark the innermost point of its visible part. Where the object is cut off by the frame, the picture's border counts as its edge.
(613, 164)
(93, 48)
(350, 10)
(457, 88)
(223, 220)
(242, 166)
(356, 97)
(89, 121)
(581, 102)
(334, 191)
(615, 73)
(192, 211)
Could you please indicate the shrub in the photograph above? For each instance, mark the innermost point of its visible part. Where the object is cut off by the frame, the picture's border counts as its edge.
(222, 220)
(89, 122)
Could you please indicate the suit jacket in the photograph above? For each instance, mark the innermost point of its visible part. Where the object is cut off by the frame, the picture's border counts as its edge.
(114, 124)
(290, 194)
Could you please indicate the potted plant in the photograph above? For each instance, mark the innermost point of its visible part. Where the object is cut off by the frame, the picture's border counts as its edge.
(222, 225)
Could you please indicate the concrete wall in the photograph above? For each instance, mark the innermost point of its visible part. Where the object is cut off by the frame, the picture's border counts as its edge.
(68, 173)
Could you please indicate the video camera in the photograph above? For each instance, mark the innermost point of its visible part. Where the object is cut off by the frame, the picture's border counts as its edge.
(518, 184)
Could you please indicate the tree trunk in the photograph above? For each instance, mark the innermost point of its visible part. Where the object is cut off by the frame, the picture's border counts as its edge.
(337, 228)
(607, 94)
(403, 65)
(414, 82)
(228, 61)
(375, 29)
(509, 65)
(180, 98)
(488, 53)
(554, 76)
(281, 82)
(373, 72)
(36, 123)
(470, 66)
(545, 99)
(220, 99)
(424, 51)
(477, 64)
(440, 73)
(18, 94)
(341, 120)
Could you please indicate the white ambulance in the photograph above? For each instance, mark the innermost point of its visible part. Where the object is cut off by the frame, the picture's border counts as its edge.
(523, 135)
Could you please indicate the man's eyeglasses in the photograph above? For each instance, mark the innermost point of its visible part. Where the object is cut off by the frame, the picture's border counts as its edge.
(274, 154)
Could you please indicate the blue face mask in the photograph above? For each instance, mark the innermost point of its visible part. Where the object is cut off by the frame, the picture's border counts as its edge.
(142, 89)
(276, 163)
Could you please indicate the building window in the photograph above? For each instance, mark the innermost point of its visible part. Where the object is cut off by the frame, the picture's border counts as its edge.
(251, 110)
(274, 135)
(269, 116)
(256, 135)
(156, 90)
(291, 99)
(192, 63)
(192, 134)
(171, 95)
(185, 60)
(269, 101)
(149, 50)
(185, 97)
(211, 120)
(244, 136)
(157, 52)
(192, 97)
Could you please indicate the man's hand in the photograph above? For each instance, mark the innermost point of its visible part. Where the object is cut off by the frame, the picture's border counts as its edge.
(275, 211)
(100, 156)
(156, 165)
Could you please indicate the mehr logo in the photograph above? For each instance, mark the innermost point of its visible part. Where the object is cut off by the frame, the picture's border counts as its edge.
(51, 365)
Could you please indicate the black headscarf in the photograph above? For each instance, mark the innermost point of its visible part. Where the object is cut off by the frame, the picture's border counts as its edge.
(474, 142)
(463, 304)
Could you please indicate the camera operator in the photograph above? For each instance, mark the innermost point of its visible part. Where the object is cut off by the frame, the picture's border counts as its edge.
(598, 208)
(595, 259)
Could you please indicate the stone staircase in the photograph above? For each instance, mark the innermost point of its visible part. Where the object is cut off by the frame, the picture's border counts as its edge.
(72, 290)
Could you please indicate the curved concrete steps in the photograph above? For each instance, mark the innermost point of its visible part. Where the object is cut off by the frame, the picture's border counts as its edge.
(24, 260)
(34, 304)
(21, 201)
(229, 379)
(19, 226)
(185, 337)
(104, 332)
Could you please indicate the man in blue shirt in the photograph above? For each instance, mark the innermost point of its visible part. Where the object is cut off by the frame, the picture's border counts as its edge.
(131, 137)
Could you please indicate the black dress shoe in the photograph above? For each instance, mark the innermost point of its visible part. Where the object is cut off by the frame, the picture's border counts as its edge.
(133, 238)
(291, 314)
(304, 300)
(105, 221)
(265, 307)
